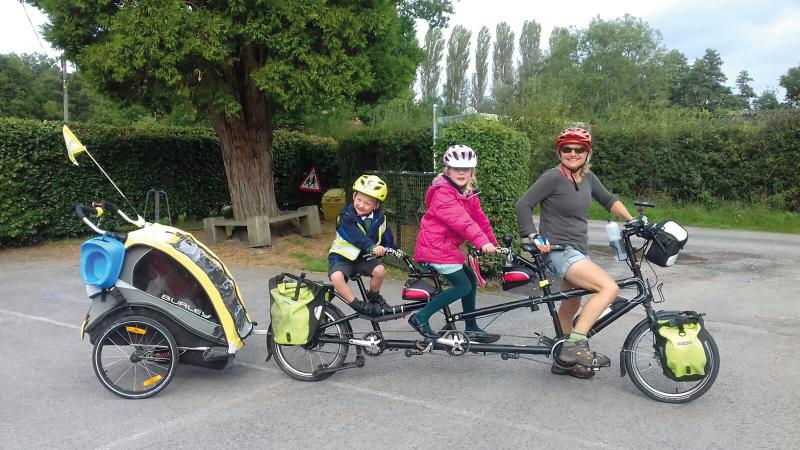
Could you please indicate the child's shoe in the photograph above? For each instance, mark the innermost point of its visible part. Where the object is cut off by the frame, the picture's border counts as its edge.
(366, 308)
(481, 336)
(422, 328)
(377, 298)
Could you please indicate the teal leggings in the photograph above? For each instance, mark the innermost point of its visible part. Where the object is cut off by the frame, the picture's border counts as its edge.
(463, 287)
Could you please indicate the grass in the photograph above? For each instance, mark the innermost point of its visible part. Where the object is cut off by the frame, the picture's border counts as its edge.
(312, 263)
(722, 214)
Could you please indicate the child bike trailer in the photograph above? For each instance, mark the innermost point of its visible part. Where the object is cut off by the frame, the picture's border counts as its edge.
(158, 297)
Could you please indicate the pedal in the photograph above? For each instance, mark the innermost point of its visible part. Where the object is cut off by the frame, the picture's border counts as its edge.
(546, 341)
(602, 363)
(422, 347)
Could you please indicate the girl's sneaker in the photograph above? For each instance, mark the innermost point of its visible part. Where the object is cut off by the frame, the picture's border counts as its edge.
(422, 328)
(481, 336)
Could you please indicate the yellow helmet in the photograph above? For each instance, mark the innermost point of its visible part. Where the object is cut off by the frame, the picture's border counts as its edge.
(372, 186)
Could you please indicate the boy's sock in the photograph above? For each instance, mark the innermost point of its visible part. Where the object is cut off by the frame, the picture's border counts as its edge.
(577, 337)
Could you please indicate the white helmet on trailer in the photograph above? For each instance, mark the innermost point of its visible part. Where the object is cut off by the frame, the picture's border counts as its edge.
(461, 157)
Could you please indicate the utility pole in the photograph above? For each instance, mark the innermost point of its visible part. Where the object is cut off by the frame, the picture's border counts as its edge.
(66, 95)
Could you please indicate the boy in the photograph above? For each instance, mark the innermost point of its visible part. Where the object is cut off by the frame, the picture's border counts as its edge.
(361, 231)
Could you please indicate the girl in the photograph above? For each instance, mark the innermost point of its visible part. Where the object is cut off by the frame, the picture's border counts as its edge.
(453, 216)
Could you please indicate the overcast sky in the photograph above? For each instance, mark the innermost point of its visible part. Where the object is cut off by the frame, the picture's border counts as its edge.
(762, 37)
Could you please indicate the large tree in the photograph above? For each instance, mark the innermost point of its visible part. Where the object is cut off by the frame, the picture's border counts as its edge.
(480, 79)
(455, 88)
(791, 82)
(246, 63)
(746, 92)
(620, 63)
(530, 61)
(503, 57)
(703, 85)
(768, 100)
(431, 69)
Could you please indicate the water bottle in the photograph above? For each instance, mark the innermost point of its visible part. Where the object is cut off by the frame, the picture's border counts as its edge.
(615, 240)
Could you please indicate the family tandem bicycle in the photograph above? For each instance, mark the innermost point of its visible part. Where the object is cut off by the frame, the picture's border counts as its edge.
(641, 356)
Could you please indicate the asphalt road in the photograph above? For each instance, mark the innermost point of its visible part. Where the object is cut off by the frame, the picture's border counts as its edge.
(747, 283)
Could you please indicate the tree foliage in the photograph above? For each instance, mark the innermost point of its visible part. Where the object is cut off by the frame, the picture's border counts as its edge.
(530, 61)
(502, 59)
(455, 88)
(480, 79)
(246, 63)
(791, 82)
(431, 67)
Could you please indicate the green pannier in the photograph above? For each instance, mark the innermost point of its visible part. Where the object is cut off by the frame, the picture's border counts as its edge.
(295, 312)
(683, 355)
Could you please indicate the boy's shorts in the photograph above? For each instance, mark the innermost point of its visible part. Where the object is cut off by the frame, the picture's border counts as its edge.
(348, 268)
(559, 262)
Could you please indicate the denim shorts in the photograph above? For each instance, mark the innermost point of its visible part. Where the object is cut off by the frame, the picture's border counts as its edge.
(559, 261)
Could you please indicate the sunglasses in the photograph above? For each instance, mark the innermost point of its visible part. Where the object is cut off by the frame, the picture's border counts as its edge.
(579, 150)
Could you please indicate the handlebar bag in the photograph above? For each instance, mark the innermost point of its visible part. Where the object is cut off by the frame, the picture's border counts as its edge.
(101, 261)
(416, 289)
(515, 275)
(295, 311)
(682, 353)
(669, 240)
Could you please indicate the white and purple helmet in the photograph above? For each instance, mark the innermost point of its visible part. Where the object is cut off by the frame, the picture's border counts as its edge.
(460, 156)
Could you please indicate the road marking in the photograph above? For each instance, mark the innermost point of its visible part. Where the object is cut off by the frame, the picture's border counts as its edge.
(183, 419)
(40, 319)
(475, 417)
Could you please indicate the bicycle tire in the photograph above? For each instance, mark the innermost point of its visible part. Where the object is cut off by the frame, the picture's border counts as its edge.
(132, 346)
(644, 367)
(297, 361)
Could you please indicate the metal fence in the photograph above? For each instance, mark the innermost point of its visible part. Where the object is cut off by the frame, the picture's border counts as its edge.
(405, 204)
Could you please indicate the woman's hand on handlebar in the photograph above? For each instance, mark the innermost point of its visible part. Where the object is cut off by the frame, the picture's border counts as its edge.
(540, 242)
(488, 248)
(379, 251)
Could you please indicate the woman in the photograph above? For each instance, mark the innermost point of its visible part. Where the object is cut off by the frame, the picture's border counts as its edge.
(565, 193)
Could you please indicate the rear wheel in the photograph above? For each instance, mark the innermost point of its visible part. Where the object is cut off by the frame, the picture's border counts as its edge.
(303, 362)
(135, 357)
(644, 367)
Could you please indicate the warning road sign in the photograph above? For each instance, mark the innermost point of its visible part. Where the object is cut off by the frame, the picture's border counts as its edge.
(311, 182)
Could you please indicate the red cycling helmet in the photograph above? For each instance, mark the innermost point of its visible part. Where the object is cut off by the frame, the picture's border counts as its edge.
(574, 135)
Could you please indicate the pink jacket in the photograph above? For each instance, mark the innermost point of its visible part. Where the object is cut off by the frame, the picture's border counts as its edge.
(451, 219)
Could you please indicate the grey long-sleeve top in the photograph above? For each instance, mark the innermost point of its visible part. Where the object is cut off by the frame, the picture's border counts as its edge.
(564, 210)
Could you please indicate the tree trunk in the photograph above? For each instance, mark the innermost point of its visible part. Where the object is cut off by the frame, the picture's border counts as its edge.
(246, 141)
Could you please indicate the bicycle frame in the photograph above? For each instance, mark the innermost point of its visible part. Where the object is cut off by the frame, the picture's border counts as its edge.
(643, 297)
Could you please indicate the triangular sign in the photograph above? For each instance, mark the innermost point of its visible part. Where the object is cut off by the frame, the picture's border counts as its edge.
(311, 182)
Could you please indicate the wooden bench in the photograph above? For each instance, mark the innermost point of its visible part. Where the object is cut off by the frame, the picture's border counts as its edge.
(258, 232)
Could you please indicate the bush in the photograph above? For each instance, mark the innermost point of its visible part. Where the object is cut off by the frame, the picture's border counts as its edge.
(382, 150)
(690, 156)
(503, 166)
(39, 187)
(293, 155)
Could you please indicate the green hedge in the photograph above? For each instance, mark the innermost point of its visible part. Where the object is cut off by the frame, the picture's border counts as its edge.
(503, 170)
(694, 156)
(293, 155)
(39, 187)
(378, 149)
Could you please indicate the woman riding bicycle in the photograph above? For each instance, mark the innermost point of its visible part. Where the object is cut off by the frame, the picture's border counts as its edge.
(565, 193)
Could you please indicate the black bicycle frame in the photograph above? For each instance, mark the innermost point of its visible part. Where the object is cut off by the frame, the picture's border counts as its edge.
(644, 297)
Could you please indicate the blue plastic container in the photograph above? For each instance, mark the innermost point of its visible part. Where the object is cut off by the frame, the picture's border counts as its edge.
(101, 261)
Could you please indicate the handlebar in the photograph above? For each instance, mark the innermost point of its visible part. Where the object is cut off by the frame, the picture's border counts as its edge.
(84, 213)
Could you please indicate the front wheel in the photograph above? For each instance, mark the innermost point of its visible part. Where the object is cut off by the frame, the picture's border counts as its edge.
(303, 362)
(644, 367)
(135, 357)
